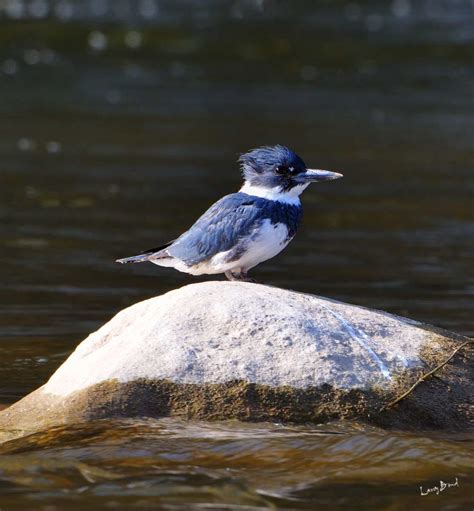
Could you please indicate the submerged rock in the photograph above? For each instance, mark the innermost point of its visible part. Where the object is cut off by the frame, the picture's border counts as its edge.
(219, 350)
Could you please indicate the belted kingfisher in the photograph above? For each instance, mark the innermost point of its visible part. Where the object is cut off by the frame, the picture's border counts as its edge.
(245, 228)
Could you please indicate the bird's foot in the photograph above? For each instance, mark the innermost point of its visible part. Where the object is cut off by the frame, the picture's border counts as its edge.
(248, 279)
(240, 277)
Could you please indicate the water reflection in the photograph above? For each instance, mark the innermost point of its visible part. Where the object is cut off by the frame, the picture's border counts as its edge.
(234, 464)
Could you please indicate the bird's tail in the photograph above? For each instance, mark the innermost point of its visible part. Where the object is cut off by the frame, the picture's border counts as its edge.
(152, 253)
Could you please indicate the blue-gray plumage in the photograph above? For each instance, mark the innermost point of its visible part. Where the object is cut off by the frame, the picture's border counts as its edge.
(229, 225)
(243, 229)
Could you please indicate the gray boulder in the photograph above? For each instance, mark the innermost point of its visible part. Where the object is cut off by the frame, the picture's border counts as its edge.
(219, 350)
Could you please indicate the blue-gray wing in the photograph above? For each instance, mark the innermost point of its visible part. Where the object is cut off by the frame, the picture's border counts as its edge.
(228, 224)
(221, 228)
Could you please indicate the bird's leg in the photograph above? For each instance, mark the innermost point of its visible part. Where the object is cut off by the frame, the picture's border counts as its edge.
(241, 276)
(232, 276)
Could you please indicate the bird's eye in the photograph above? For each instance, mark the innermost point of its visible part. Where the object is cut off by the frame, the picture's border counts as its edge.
(281, 169)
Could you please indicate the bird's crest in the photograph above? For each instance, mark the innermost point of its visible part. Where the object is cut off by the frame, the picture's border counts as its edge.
(266, 158)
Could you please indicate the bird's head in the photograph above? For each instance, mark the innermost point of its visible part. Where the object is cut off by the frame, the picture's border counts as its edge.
(278, 170)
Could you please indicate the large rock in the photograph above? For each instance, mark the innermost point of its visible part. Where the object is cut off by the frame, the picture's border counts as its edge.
(239, 350)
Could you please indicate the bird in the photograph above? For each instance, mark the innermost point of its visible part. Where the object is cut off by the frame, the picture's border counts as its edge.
(243, 229)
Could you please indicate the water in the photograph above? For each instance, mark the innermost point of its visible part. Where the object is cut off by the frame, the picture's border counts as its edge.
(169, 464)
(120, 125)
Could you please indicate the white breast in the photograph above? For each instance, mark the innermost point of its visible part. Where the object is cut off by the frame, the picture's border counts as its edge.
(265, 243)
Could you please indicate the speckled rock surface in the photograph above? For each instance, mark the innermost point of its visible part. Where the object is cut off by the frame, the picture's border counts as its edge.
(217, 332)
(232, 349)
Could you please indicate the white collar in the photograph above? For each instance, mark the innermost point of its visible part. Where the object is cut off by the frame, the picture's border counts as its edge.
(289, 197)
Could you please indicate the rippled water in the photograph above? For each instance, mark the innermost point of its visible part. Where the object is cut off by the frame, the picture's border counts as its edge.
(169, 464)
(119, 129)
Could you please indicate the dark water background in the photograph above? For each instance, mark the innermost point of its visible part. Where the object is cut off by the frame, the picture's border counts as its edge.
(121, 122)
